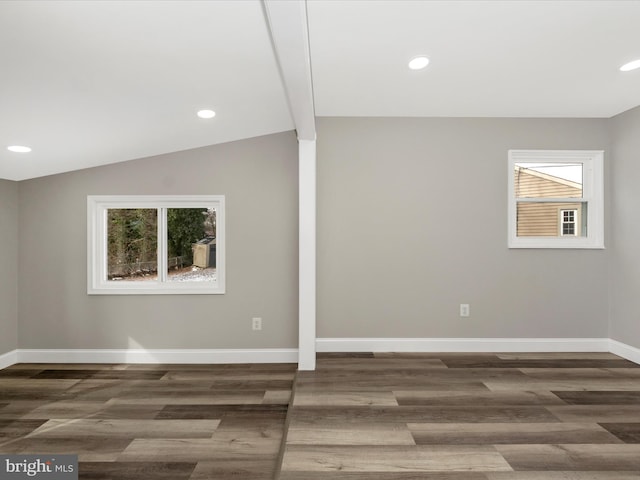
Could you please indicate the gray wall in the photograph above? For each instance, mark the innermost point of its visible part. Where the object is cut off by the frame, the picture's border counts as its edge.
(412, 221)
(8, 266)
(624, 295)
(258, 177)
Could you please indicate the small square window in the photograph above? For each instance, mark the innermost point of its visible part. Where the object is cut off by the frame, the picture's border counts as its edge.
(556, 199)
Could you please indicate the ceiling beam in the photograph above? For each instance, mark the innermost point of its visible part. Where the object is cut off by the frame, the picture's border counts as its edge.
(287, 20)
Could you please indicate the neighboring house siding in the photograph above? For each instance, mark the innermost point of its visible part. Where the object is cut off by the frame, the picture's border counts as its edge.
(543, 219)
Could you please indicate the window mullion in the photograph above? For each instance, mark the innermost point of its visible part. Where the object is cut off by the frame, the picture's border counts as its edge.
(162, 245)
(102, 232)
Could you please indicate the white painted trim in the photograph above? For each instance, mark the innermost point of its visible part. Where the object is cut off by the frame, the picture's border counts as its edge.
(8, 359)
(593, 195)
(289, 30)
(307, 255)
(462, 344)
(204, 356)
(290, 39)
(625, 351)
(290, 355)
(97, 206)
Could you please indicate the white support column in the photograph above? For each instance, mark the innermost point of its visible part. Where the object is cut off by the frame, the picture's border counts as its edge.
(287, 20)
(307, 255)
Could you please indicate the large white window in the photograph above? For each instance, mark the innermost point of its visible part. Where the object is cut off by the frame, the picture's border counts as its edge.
(169, 244)
(556, 199)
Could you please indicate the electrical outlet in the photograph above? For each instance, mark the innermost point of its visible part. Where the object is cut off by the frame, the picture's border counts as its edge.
(464, 309)
(256, 323)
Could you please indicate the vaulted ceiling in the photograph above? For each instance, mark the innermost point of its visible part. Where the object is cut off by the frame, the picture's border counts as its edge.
(87, 83)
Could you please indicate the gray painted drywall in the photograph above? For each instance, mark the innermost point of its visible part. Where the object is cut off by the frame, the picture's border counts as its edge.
(625, 229)
(412, 221)
(8, 266)
(258, 177)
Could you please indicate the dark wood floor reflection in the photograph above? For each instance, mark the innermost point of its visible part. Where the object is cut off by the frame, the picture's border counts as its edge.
(149, 421)
(571, 416)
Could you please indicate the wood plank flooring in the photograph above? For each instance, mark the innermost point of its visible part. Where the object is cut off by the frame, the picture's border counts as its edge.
(571, 416)
(176, 422)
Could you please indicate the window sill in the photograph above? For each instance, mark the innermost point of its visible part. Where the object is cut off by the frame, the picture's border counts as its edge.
(153, 288)
(556, 243)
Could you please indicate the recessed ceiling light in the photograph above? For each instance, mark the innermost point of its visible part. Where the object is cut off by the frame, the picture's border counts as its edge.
(630, 66)
(19, 149)
(418, 63)
(206, 114)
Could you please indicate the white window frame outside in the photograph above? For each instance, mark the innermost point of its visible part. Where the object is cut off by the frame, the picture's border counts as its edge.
(592, 194)
(575, 223)
(97, 207)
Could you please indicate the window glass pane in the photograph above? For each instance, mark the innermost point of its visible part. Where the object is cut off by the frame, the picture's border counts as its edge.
(548, 180)
(547, 219)
(568, 229)
(132, 244)
(191, 246)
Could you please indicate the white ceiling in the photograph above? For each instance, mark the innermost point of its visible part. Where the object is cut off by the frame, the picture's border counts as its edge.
(86, 83)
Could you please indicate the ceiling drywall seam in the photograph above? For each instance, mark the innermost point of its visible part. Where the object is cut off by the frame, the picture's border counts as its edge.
(287, 21)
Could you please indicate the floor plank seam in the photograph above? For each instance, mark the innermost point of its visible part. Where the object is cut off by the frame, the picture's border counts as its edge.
(285, 428)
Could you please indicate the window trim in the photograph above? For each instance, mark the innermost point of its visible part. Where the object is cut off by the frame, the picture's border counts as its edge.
(97, 206)
(592, 195)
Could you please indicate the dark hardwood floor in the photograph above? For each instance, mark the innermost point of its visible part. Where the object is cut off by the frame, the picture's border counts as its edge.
(149, 421)
(571, 416)
(465, 417)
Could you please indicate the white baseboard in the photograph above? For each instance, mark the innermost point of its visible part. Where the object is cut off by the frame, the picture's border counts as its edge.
(625, 351)
(290, 355)
(267, 355)
(462, 344)
(8, 359)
